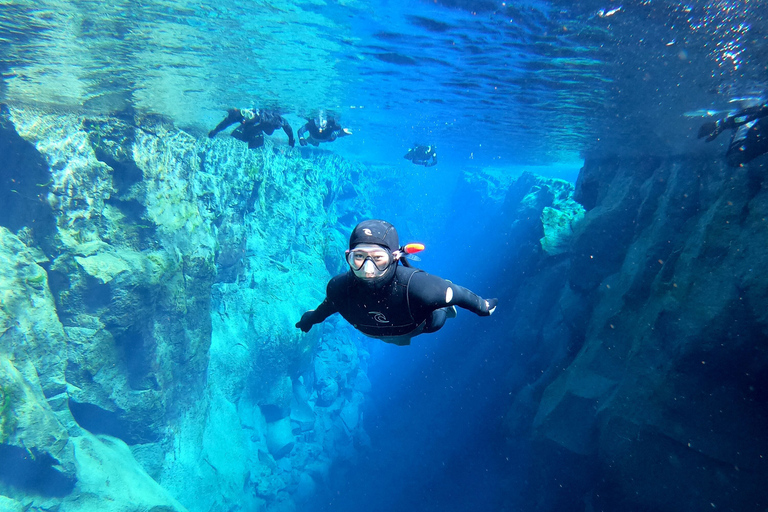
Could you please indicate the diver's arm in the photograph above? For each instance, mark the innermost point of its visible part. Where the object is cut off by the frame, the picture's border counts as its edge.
(335, 131)
(432, 292)
(316, 316)
(289, 132)
(712, 129)
(233, 116)
(745, 116)
(342, 132)
(328, 307)
(300, 134)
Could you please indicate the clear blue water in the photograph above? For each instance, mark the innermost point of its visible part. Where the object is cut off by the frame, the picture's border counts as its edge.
(491, 84)
(521, 85)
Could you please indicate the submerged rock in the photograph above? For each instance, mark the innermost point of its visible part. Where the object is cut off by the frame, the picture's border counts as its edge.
(280, 439)
(652, 347)
(144, 305)
(110, 479)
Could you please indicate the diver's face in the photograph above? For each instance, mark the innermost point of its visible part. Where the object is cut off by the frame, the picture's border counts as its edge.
(369, 261)
(321, 123)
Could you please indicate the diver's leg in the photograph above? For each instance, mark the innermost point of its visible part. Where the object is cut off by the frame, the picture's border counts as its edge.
(233, 116)
(256, 142)
(240, 134)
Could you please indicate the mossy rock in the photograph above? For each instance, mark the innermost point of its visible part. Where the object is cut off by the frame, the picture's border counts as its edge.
(7, 417)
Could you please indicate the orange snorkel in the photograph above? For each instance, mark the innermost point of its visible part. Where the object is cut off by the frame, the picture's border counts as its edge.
(412, 248)
(408, 251)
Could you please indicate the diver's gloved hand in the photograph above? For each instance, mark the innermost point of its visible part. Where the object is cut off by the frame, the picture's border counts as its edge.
(303, 141)
(491, 305)
(305, 324)
(291, 142)
(710, 130)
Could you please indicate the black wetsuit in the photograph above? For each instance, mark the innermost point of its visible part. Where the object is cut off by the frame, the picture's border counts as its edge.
(252, 129)
(422, 155)
(750, 136)
(331, 132)
(413, 302)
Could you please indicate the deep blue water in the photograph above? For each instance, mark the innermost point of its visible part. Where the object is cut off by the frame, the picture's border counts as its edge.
(535, 85)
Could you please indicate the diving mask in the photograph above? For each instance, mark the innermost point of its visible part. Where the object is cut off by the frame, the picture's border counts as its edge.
(321, 122)
(369, 261)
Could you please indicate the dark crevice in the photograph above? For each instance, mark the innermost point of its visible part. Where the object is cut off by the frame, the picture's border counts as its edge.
(133, 348)
(112, 144)
(97, 294)
(112, 423)
(33, 472)
(98, 421)
(25, 181)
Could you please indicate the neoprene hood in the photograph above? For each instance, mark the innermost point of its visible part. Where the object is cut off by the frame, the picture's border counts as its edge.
(379, 232)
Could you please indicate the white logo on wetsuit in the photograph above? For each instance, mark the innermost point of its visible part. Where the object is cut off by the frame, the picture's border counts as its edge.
(379, 317)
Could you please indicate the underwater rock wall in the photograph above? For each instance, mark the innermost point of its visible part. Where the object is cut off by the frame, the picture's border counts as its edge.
(149, 286)
(647, 366)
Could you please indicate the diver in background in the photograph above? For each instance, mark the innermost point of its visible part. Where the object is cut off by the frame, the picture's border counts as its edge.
(254, 123)
(388, 301)
(422, 155)
(321, 129)
(750, 136)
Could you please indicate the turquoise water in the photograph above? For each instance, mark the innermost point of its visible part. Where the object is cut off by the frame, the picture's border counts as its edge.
(495, 84)
(170, 269)
(530, 82)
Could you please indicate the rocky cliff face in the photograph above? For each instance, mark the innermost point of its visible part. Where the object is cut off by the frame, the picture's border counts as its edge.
(149, 286)
(646, 357)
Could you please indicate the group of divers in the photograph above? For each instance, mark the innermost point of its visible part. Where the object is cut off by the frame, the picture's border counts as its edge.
(382, 295)
(254, 123)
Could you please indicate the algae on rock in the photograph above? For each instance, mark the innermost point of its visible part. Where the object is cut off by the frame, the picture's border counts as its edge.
(169, 267)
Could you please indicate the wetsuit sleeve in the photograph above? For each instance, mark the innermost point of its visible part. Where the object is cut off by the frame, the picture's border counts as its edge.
(233, 116)
(289, 132)
(336, 131)
(302, 131)
(714, 128)
(326, 308)
(427, 293)
(745, 116)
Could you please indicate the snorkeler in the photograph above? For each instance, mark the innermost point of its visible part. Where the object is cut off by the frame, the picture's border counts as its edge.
(321, 129)
(254, 123)
(388, 301)
(422, 155)
(750, 135)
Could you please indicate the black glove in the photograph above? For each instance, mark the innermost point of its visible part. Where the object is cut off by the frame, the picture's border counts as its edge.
(710, 130)
(303, 141)
(291, 142)
(491, 306)
(305, 324)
